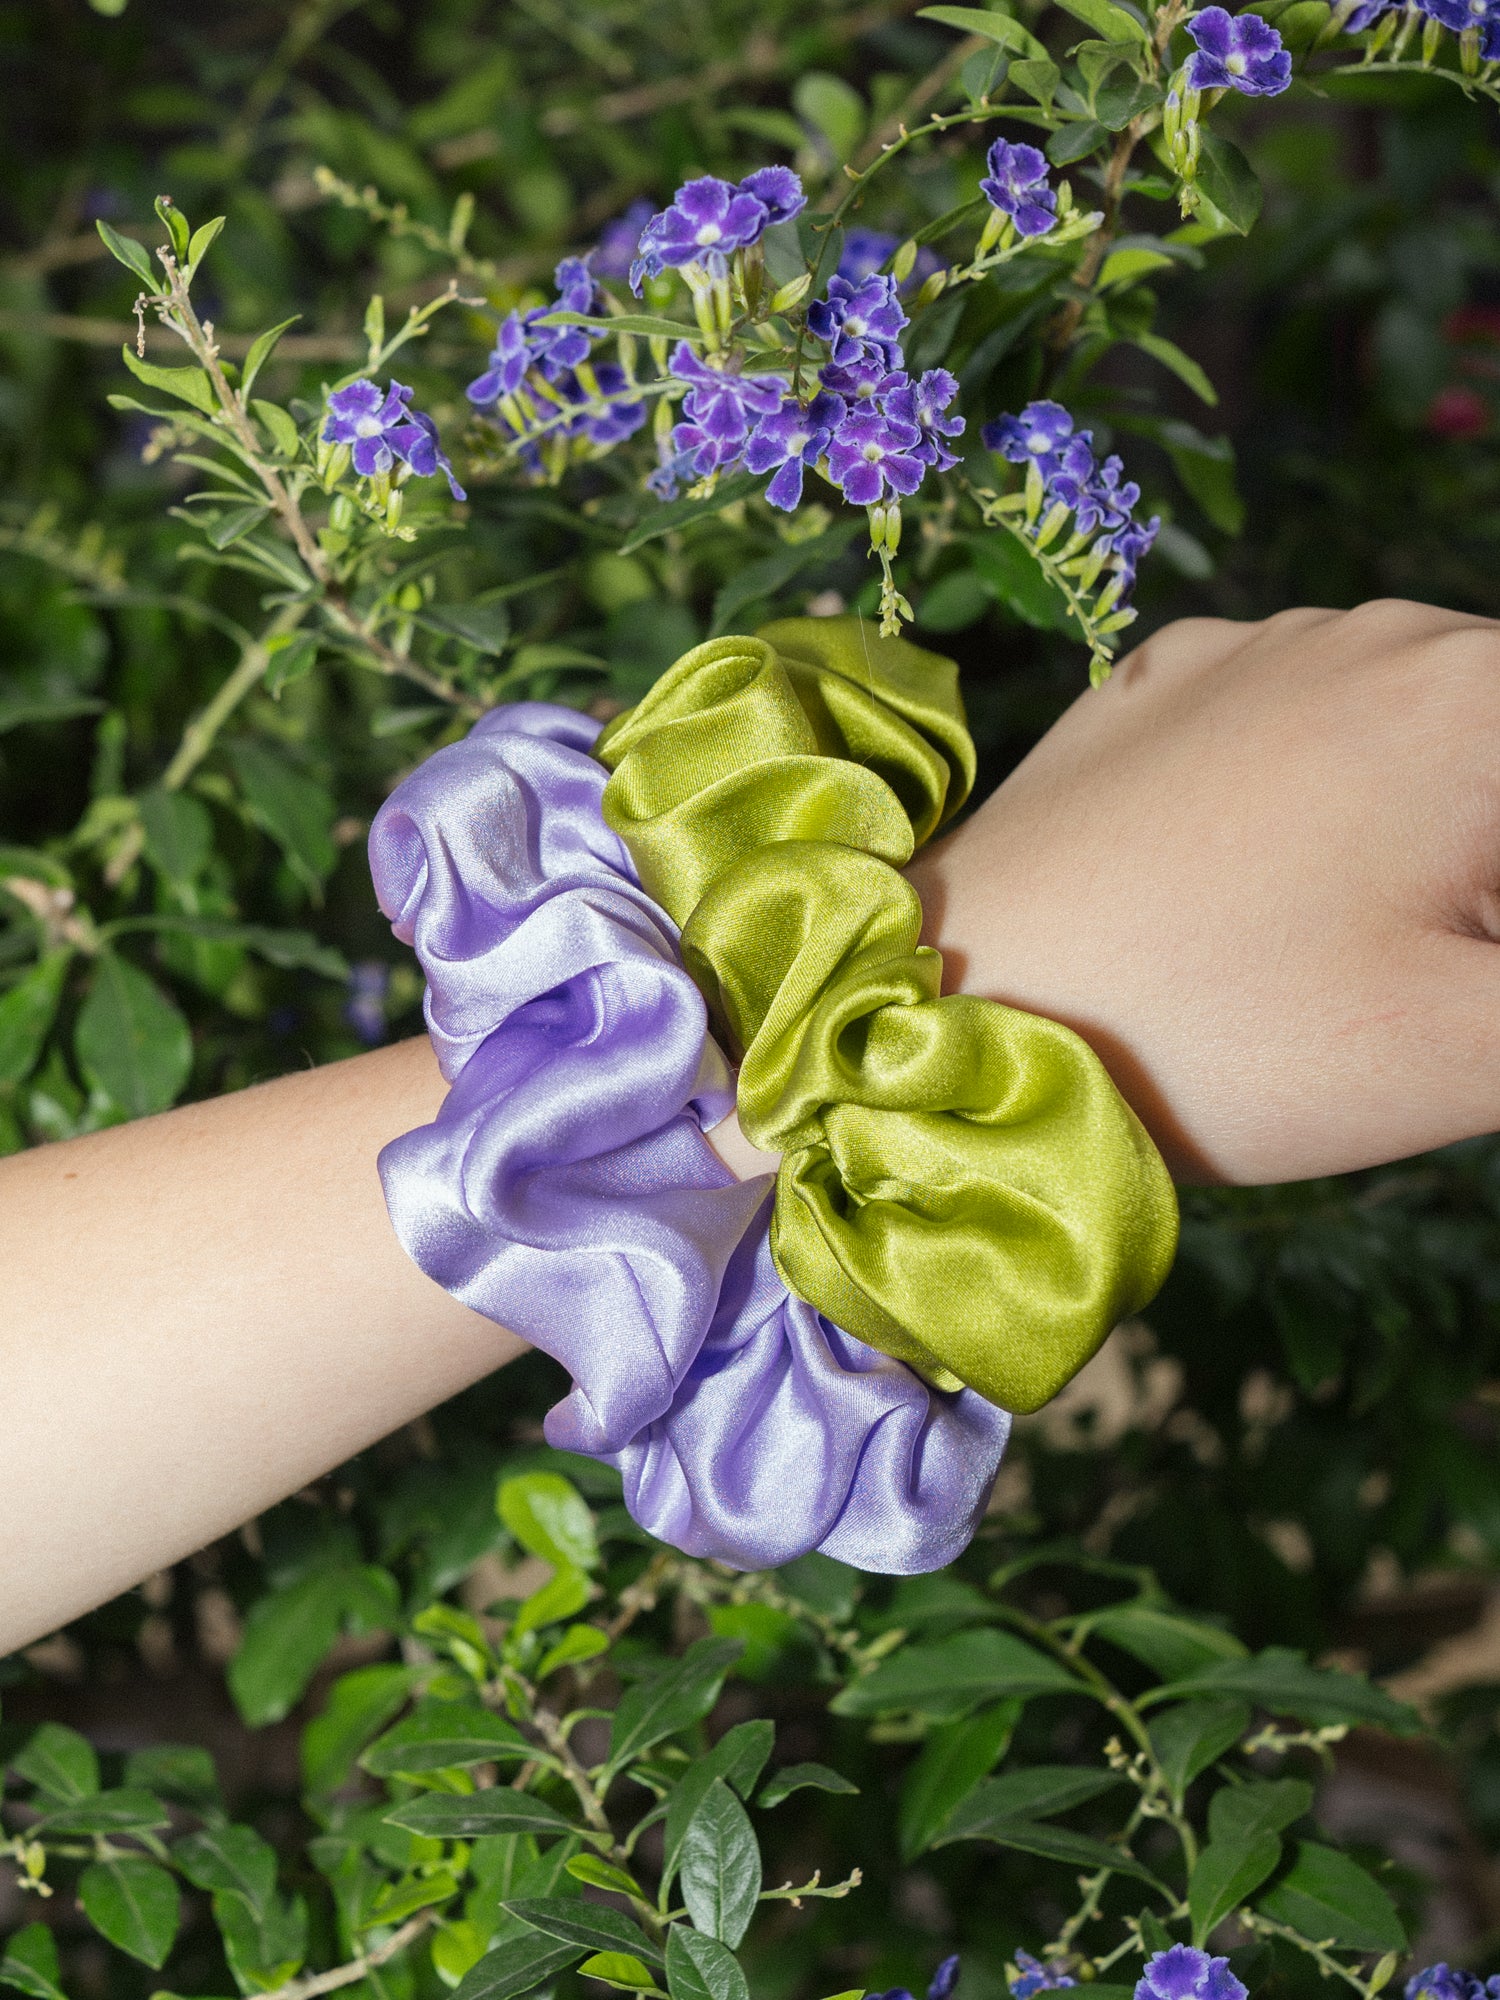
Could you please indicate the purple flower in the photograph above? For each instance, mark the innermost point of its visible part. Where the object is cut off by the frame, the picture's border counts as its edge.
(944, 1979)
(858, 320)
(1034, 1977)
(791, 438)
(675, 467)
(719, 408)
(1017, 184)
(865, 250)
(510, 357)
(1237, 52)
(1461, 14)
(871, 453)
(383, 430)
(1040, 432)
(707, 218)
(1183, 1973)
(923, 404)
(868, 380)
(778, 190)
(559, 348)
(618, 240)
(623, 418)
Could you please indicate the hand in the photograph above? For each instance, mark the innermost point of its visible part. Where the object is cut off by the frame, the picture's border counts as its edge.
(1259, 871)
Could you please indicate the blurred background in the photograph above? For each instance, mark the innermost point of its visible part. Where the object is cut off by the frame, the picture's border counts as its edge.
(1302, 1437)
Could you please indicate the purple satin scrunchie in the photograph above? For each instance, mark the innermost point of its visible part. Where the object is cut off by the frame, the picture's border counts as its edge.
(566, 1190)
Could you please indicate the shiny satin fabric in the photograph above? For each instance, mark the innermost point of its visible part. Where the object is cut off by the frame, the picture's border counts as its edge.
(962, 1186)
(566, 1189)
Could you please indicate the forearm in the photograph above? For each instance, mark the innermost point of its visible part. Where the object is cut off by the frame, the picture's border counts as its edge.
(204, 1311)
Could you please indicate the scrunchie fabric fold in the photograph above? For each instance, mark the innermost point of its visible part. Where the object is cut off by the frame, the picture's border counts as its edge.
(566, 1190)
(962, 1186)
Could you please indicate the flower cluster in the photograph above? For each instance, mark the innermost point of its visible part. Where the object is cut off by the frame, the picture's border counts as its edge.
(1185, 1973)
(383, 433)
(1445, 1982)
(1017, 186)
(540, 380)
(1065, 481)
(1477, 18)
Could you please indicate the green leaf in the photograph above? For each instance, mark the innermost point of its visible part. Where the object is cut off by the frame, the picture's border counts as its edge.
(290, 659)
(1183, 366)
(1188, 1739)
(358, 1704)
(128, 1810)
(954, 1758)
(30, 1963)
(1034, 1792)
(288, 1633)
(738, 1758)
(291, 807)
(284, 433)
(803, 1778)
(685, 513)
(602, 1874)
(27, 1012)
(660, 1705)
(484, 626)
(1205, 465)
(1283, 1682)
(230, 1861)
(175, 223)
(203, 240)
(45, 708)
(1263, 1805)
(134, 1903)
(954, 1675)
(993, 25)
(134, 256)
(59, 1762)
(1226, 1874)
(578, 1643)
(1326, 1895)
(1124, 267)
(618, 1968)
(179, 834)
(1229, 181)
(1059, 1843)
(1075, 142)
(1113, 24)
(719, 1867)
(519, 1965)
(567, 1592)
(444, 1736)
(178, 1771)
(593, 1925)
(189, 385)
(763, 578)
(550, 1518)
(293, 951)
(646, 324)
(225, 529)
(399, 1900)
(1169, 1645)
(1039, 79)
(450, 1816)
(261, 350)
(263, 1948)
(131, 1040)
(700, 1968)
(1010, 572)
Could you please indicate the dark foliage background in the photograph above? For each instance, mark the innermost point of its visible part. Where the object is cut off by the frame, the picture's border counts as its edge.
(1303, 1439)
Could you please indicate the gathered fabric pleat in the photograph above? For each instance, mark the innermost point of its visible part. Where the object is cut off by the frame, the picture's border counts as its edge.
(962, 1186)
(566, 1189)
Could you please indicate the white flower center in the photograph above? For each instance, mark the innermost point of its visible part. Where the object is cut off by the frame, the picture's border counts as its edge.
(874, 452)
(368, 427)
(855, 325)
(710, 232)
(1236, 65)
(797, 443)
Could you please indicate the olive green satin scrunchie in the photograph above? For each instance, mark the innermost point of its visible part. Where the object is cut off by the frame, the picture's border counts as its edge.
(962, 1186)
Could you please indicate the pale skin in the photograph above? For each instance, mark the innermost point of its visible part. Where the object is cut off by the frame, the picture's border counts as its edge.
(1259, 871)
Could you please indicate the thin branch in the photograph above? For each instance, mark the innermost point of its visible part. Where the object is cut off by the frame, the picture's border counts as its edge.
(198, 737)
(357, 1969)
